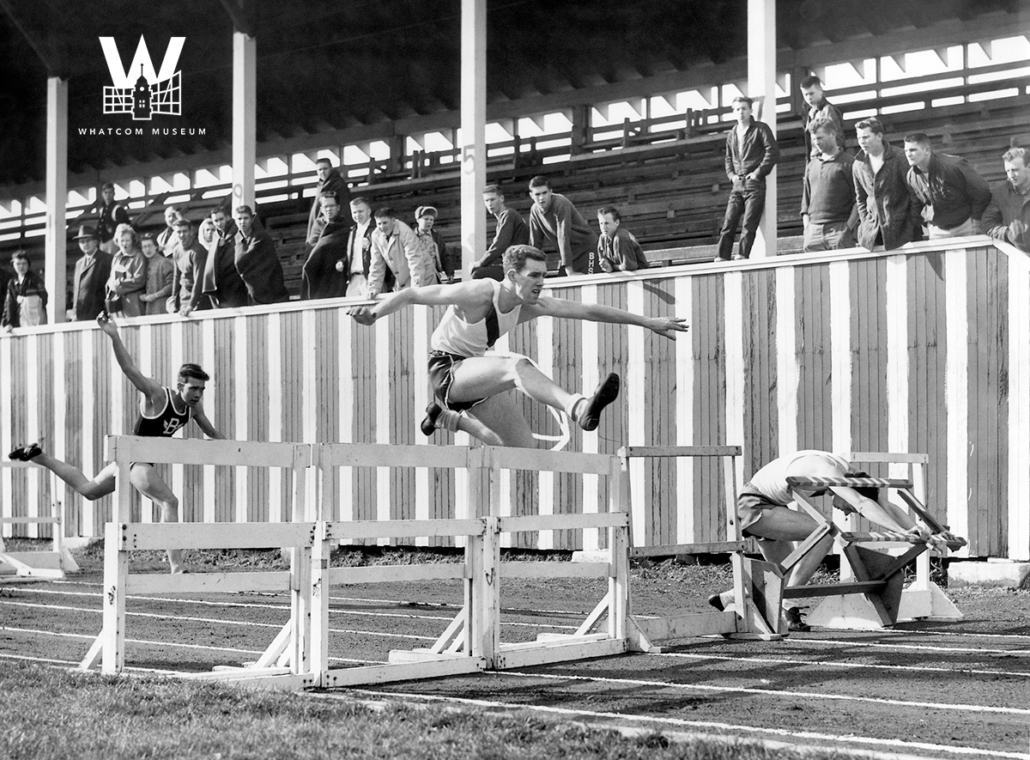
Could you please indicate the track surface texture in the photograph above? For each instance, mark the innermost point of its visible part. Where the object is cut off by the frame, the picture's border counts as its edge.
(929, 689)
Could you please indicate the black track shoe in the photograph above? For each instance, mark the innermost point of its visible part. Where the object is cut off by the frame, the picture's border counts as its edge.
(607, 391)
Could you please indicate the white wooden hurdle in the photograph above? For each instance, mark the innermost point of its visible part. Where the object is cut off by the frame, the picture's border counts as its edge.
(472, 640)
(39, 564)
(287, 660)
(748, 618)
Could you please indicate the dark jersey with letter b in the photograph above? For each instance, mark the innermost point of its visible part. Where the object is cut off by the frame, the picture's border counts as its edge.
(167, 423)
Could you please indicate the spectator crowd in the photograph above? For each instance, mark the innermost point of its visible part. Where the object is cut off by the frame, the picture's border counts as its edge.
(886, 195)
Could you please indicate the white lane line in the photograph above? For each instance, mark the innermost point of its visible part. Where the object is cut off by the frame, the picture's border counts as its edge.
(509, 610)
(336, 598)
(769, 692)
(332, 611)
(853, 665)
(217, 621)
(912, 647)
(845, 740)
(167, 644)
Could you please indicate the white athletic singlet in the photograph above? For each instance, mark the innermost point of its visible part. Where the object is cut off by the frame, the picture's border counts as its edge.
(456, 336)
(771, 480)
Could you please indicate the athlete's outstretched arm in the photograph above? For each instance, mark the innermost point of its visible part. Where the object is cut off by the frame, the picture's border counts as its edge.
(205, 424)
(145, 385)
(593, 312)
(467, 295)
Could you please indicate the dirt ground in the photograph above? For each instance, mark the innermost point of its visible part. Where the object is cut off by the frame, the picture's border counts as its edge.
(936, 689)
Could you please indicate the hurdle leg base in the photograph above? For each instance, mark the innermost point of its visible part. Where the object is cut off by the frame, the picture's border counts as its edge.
(927, 604)
(851, 612)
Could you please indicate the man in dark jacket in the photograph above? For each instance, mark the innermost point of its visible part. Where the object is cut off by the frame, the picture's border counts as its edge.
(109, 216)
(324, 274)
(26, 296)
(751, 154)
(950, 194)
(257, 261)
(90, 280)
(329, 181)
(886, 210)
(1008, 215)
(222, 283)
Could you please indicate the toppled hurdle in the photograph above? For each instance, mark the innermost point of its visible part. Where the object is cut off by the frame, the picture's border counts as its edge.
(869, 595)
(748, 617)
(52, 564)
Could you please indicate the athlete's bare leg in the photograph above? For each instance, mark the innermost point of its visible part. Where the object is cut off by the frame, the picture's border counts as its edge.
(503, 420)
(469, 424)
(486, 376)
(91, 488)
(782, 527)
(146, 480)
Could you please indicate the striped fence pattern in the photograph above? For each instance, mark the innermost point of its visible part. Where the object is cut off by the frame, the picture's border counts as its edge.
(913, 350)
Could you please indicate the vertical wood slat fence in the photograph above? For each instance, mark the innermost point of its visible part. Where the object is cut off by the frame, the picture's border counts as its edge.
(920, 349)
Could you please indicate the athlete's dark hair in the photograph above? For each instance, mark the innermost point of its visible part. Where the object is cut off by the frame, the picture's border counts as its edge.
(539, 181)
(610, 210)
(187, 371)
(810, 81)
(515, 257)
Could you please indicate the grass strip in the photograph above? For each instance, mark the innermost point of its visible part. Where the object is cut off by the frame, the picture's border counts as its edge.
(53, 714)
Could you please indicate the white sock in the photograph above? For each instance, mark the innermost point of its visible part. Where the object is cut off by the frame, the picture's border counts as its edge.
(573, 407)
(448, 420)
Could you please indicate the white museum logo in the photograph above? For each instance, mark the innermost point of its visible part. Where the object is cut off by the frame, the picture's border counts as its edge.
(151, 92)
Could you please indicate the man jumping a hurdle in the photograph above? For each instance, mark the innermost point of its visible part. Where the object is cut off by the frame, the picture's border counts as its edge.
(163, 412)
(763, 514)
(468, 383)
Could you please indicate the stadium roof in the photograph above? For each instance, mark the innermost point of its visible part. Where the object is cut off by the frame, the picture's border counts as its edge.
(323, 66)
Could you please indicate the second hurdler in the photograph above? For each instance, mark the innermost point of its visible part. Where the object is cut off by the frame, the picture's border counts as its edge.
(469, 384)
(162, 413)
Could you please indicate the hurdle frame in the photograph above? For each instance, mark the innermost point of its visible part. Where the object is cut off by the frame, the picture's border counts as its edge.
(40, 564)
(869, 595)
(923, 599)
(748, 619)
(472, 640)
(287, 660)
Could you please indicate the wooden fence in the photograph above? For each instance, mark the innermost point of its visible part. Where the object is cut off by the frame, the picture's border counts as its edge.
(899, 351)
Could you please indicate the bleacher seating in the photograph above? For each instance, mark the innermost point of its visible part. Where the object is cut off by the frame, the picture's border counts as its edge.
(669, 185)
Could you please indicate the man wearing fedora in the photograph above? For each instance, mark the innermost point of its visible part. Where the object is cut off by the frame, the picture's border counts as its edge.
(91, 273)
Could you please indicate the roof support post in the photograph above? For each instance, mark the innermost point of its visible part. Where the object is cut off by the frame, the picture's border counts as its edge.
(473, 132)
(761, 83)
(244, 118)
(56, 263)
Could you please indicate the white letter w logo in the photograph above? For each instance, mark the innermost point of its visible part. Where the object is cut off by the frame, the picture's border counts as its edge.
(126, 78)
